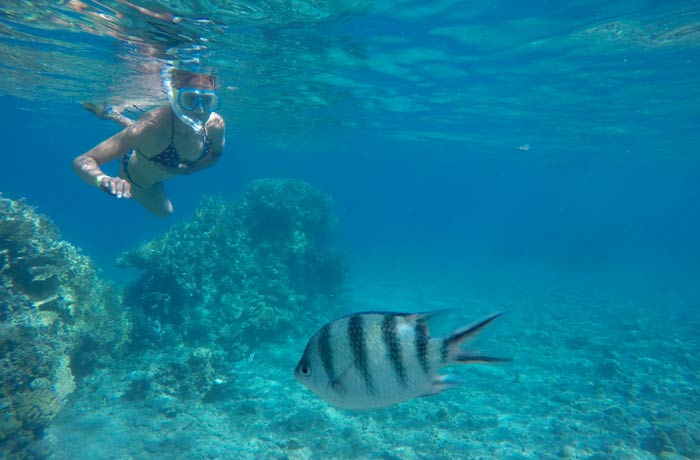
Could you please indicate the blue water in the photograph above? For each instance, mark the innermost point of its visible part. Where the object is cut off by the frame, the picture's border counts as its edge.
(537, 157)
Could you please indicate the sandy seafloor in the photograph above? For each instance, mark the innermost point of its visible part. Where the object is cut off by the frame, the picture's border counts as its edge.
(602, 368)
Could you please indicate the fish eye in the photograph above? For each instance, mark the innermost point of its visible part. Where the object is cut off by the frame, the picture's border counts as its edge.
(305, 370)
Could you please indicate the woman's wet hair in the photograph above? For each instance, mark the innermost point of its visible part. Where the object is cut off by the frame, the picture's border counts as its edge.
(185, 78)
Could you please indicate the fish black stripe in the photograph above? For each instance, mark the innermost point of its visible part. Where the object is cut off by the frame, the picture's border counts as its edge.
(444, 350)
(356, 338)
(393, 347)
(422, 345)
(326, 352)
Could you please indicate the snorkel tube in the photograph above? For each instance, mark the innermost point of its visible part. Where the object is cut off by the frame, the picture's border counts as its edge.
(196, 125)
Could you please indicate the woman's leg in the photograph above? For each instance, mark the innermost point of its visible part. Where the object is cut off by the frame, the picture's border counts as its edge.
(153, 198)
(104, 112)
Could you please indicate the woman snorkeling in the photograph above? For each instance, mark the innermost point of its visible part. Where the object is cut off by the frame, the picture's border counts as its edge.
(180, 138)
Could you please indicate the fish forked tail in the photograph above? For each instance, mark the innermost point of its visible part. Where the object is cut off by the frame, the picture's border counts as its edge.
(451, 353)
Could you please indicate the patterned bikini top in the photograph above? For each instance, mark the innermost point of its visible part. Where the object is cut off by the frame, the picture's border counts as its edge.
(170, 158)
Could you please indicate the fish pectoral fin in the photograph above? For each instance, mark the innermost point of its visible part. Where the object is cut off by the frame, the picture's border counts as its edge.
(337, 383)
(337, 387)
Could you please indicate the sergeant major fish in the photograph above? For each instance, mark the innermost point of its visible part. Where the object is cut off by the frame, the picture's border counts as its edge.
(376, 359)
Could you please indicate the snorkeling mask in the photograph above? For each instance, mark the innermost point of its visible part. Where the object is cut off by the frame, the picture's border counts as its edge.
(207, 100)
(190, 99)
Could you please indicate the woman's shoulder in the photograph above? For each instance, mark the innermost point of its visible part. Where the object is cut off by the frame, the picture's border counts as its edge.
(150, 129)
(157, 115)
(152, 121)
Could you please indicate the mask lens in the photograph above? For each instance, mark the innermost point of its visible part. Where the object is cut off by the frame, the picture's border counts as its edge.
(190, 98)
(187, 99)
(210, 101)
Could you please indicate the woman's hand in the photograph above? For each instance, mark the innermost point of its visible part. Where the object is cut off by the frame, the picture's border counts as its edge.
(115, 186)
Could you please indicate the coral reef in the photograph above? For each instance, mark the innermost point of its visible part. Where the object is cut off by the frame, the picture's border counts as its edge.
(58, 321)
(211, 290)
(237, 271)
(174, 374)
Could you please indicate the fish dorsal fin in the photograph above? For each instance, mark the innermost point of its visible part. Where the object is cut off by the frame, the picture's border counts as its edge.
(425, 315)
(422, 319)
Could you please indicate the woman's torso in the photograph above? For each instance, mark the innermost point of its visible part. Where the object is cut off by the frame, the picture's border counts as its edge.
(168, 143)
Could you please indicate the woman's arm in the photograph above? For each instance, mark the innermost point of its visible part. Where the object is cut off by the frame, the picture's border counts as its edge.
(87, 165)
(217, 138)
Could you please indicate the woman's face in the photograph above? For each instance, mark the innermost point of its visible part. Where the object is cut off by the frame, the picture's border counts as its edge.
(193, 97)
(197, 101)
